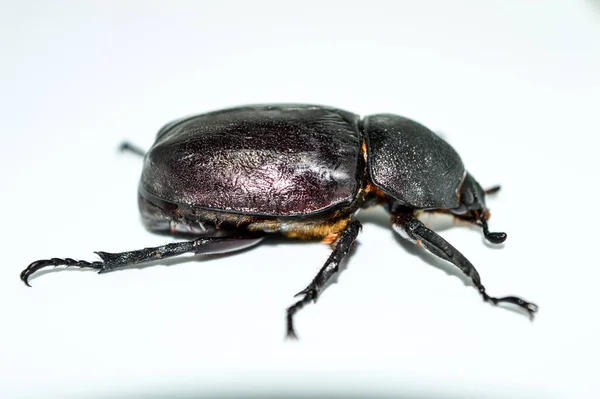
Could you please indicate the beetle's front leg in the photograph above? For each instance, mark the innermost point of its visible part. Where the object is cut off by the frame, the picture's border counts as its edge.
(415, 231)
(113, 261)
(341, 247)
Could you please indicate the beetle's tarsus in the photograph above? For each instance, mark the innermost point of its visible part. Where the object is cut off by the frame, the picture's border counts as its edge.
(291, 311)
(290, 333)
(431, 241)
(40, 264)
(530, 308)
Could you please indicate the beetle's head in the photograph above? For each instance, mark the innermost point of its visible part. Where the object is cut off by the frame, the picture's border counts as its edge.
(472, 207)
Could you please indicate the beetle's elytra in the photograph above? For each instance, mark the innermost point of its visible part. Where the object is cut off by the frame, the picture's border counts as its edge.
(235, 176)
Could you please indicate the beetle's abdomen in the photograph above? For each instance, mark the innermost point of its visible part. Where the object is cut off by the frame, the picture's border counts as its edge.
(411, 163)
(273, 160)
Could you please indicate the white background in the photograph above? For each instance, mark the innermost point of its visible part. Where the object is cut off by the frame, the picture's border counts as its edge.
(514, 86)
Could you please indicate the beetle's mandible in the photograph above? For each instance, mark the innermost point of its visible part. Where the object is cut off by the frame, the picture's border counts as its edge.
(233, 177)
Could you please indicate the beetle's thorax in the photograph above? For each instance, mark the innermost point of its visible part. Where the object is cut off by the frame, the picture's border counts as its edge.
(411, 164)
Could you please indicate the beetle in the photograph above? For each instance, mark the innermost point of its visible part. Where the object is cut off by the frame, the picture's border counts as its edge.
(235, 176)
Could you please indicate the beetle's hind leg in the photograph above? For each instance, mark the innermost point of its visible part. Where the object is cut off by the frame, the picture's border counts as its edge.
(114, 261)
(415, 231)
(341, 247)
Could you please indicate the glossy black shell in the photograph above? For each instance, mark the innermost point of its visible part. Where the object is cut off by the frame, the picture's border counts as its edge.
(268, 160)
(412, 164)
(284, 160)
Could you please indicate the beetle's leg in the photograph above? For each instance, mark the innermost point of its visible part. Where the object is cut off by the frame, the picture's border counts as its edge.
(127, 146)
(113, 261)
(341, 247)
(413, 230)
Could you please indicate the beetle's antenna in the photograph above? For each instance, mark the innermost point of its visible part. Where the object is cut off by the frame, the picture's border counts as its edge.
(127, 146)
(495, 238)
(492, 190)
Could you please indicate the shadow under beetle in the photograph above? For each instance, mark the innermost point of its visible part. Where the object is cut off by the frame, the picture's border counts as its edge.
(234, 176)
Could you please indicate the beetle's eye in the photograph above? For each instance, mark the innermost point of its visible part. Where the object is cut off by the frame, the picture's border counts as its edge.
(467, 197)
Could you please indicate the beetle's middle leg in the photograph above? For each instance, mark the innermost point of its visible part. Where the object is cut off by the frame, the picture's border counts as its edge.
(113, 261)
(341, 247)
(415, 231)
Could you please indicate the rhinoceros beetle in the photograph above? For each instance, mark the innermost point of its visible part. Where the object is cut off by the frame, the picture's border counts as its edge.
(234, 176)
